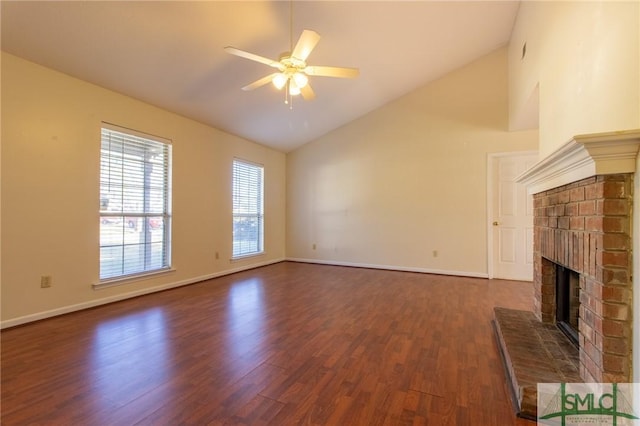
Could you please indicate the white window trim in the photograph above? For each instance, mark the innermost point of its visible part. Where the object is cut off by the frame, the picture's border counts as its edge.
(261, 252)
(129, 278)
(247, 256)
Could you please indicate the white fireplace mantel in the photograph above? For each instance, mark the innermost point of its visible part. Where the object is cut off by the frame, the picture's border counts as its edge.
(582, 157)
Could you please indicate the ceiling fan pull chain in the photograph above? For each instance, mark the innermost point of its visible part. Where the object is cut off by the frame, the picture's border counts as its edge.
(286, 93)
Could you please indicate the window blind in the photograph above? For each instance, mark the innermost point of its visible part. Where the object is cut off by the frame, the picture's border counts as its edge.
(248, 213)
(135, 200)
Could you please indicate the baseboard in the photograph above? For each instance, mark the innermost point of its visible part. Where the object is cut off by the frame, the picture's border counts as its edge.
(106, 300)
(116, 298)
(391, 267)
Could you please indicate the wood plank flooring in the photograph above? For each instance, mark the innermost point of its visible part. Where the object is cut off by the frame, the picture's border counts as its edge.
(285, 344)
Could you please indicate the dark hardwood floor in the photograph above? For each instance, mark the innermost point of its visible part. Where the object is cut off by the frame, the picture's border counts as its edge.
(284, 344)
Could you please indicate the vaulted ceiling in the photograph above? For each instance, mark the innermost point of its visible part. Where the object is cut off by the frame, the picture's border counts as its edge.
(171, 54)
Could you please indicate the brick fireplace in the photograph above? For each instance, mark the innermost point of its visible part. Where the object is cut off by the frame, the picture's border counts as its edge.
(586, 227)
(583, 220)
(583, 226)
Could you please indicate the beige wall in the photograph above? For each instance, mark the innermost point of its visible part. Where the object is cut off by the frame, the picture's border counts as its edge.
(50, 198)
(585, 59)
(407, 179)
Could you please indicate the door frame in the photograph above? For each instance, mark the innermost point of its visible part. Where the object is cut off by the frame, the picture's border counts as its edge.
(492, 158)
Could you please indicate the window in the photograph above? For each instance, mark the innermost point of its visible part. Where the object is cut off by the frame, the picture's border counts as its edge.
(248, 213)
(135, 203)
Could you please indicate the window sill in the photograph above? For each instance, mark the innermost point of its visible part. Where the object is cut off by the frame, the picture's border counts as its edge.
(247, 256)
(128, 279)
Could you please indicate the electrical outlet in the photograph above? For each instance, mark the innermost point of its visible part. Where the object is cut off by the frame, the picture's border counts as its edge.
(313, 246)
(217, 255)
(435, 253)
(45, 281)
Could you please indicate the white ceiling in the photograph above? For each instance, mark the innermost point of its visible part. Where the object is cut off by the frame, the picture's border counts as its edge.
(170, 54)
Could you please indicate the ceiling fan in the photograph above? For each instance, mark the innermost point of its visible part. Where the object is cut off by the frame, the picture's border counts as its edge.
(292, 70)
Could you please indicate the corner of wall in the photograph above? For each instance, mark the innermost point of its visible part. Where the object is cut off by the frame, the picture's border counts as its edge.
(635, 362)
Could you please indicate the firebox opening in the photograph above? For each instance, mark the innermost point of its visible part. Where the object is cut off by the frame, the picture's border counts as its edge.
(568, 302)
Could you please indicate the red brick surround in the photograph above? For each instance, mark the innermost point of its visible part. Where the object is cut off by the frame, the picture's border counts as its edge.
(586, 226)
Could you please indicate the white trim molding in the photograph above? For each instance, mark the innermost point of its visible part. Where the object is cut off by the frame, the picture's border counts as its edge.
(582, 157)
(390, 267)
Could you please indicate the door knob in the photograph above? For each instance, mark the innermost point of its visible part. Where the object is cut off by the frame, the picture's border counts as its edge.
(496, 223)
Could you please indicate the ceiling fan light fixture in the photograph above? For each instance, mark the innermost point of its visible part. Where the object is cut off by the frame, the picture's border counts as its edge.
(294, 90)
(300, 79)
(279, 80)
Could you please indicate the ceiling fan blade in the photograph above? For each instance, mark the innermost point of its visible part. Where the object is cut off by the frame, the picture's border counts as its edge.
(254, 57)
(307, 41)
(261, 82)
(339, 72)
(307, 93)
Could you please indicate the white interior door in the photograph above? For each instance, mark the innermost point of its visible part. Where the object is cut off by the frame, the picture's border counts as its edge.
(511, 216)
